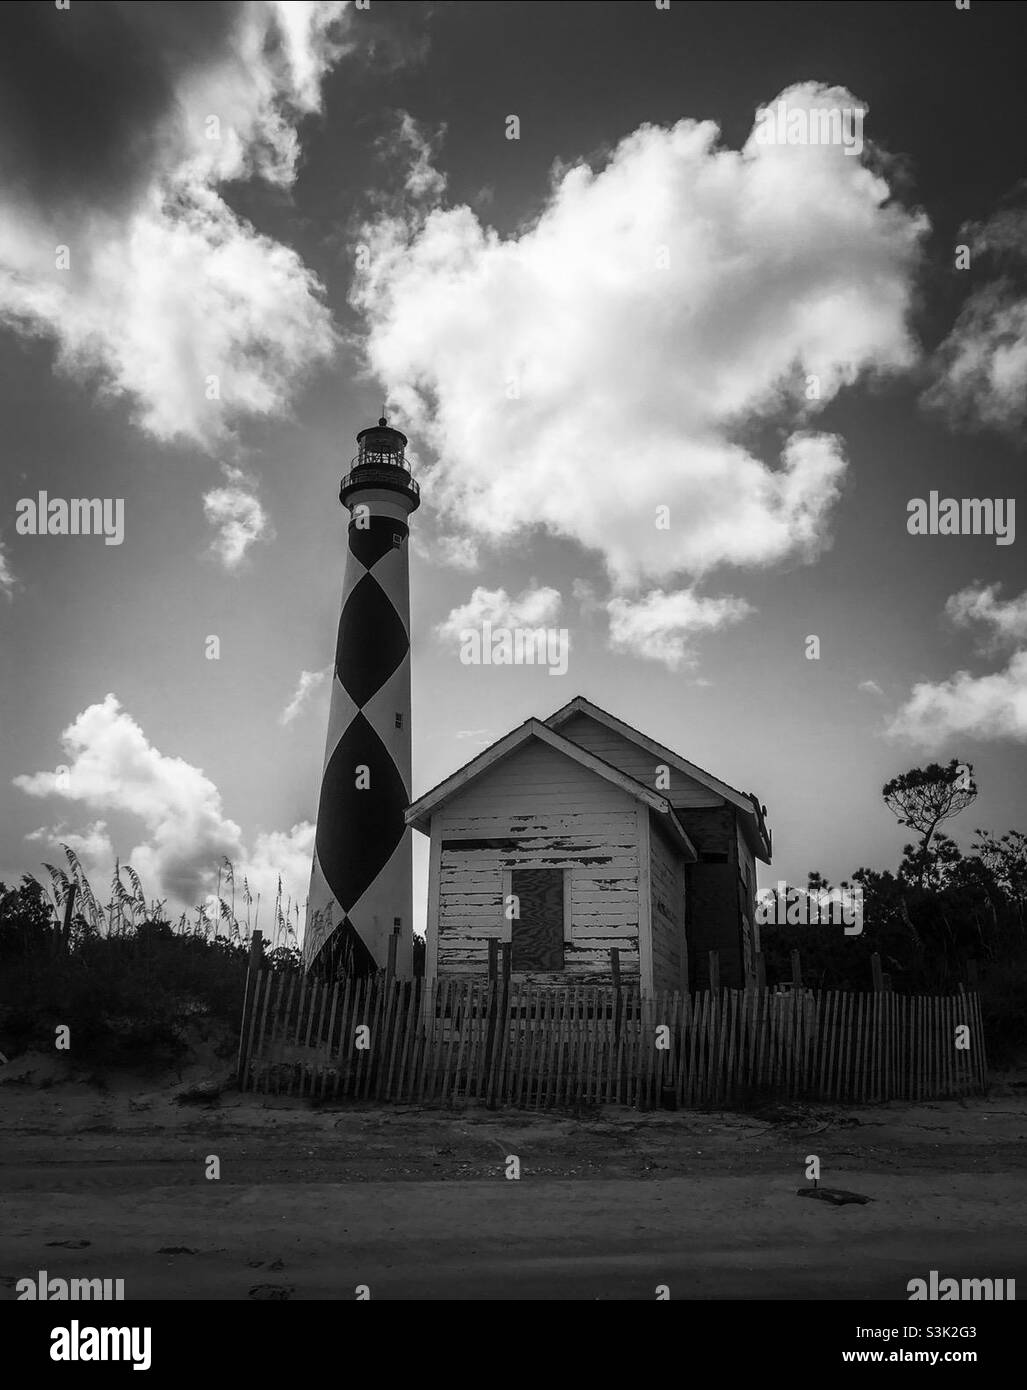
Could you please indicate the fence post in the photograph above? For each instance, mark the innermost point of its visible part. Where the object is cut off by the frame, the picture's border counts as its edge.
(390, 967)
(490, 1036)
(761, 973)
(499, 1040)
(615, 966)
(615, 976)
(796, 971)
(714, 973)
(253, 968)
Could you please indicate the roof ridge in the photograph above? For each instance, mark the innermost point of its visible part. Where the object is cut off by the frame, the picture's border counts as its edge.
(570, 749)
(748, 796)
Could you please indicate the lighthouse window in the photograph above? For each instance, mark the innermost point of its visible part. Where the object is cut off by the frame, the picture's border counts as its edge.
(399, 721)
(397, 540)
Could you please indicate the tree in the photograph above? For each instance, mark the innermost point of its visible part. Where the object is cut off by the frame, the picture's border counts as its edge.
(26, 919)
(923, 798)
(1006, 857)
(933, 868)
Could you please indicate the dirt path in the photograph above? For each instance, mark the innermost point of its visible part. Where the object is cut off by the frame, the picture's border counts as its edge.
(416, 1204)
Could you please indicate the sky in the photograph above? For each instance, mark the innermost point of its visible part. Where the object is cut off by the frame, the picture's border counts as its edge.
(670, 385)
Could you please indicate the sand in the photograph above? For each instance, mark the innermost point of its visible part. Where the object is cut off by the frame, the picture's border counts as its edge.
(416, 1203)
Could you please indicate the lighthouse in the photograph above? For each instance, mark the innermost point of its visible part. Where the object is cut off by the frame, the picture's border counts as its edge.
(360, 884)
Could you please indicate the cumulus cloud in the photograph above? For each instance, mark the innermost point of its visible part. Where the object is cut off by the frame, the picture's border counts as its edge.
(310, 683)
(980, 369)
(533, 608)
(870, 688)
(280, 854)
(985, 707)
(93, 845)
(1004, 620)
(612, 357)
(993, 706)
(121, 249)
(113, 768)
(663, 626)
(235, 510)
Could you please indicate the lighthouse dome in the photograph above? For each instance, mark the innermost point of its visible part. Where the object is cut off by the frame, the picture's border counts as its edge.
(381, 440)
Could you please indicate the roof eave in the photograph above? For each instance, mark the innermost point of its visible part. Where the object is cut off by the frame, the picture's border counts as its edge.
(420, 813)
(758, 833)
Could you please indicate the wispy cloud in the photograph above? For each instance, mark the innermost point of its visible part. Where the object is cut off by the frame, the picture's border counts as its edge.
(534, 607)
(422, 180)
(310, 683)
(93, 845)
(1004, 621)
(7, 580)
(980, 370)
(445, 547)
(664, 626)
(235, 511)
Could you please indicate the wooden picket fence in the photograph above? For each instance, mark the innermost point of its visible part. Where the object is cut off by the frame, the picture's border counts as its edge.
(521, 1045)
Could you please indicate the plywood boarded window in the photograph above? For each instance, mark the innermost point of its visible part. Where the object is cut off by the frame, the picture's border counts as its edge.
(536, 936)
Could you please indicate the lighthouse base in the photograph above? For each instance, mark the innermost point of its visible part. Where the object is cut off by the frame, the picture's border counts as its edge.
(343, 955)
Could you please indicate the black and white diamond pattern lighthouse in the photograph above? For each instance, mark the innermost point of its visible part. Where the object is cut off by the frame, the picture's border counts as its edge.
(360, 885)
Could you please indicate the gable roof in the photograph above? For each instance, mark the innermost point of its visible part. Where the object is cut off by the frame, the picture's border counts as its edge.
(746, 802)
(420, 813)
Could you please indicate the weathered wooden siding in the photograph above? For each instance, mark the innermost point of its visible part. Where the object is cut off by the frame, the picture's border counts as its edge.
(539, 809)
(613, 748)
(711, 829)
(667, 880)
(746, 870)
(747, 899)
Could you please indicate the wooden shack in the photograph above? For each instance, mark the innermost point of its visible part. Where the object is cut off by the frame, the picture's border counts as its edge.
(578, 834)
